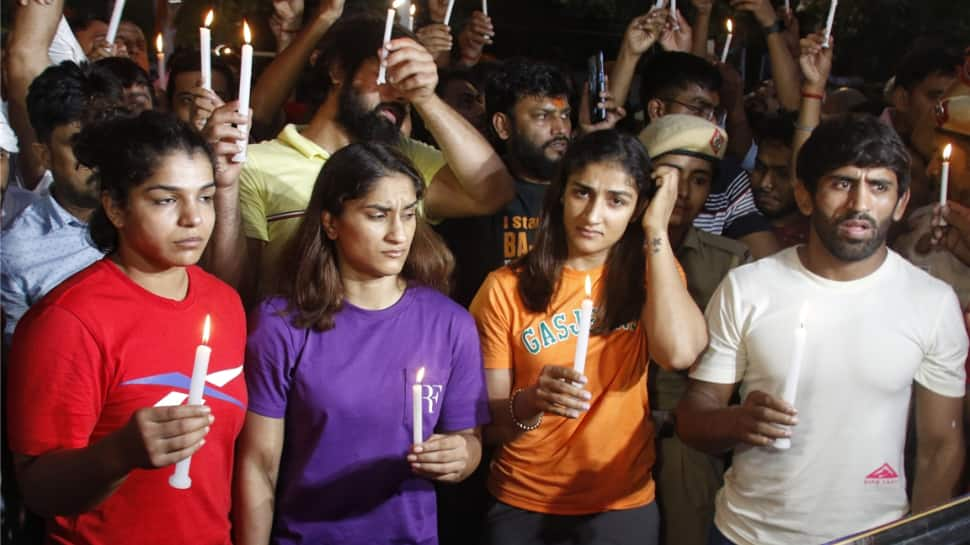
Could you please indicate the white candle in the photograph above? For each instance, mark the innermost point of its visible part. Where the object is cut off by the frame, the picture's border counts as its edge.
(414, 10)
(788, 6)
(160, 57)
(945, 174)
(829, 22)
(585, 317)
(205, 50)
(485, 7)
(388, 28)
(673, 13)
(795, 369)
(727, 43)
(417, 414)
(245, 82)
(451, 6)
(200, 367)
(115, 21)
(658, 4)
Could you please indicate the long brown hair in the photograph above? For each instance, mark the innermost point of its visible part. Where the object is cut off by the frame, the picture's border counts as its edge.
(540, 270)
(310, 278)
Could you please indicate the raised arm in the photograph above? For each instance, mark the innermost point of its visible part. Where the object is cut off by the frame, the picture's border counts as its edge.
(276, 82)
(784, 70)
(34, 26)
(475, 181)
(258, 452)
(676, 332)
(816, 63)
(702, 26)
(642, 32)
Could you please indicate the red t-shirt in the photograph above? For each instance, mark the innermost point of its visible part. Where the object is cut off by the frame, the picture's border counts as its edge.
(99, 347)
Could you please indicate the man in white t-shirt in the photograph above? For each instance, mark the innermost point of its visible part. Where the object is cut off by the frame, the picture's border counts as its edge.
(870, 324)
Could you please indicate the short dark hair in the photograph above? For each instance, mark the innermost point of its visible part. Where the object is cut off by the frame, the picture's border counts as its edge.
(860, 140)
(347, 44)
(67, 93)
(521, 77)
(774, 127)
(669, 72)
(126, 70)
(921, 63)
(80, 17)
(310, 279)
(125, 151)
(189, 60)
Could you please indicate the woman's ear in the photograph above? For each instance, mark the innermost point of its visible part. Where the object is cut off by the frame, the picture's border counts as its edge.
(114, 211)
(328, 223)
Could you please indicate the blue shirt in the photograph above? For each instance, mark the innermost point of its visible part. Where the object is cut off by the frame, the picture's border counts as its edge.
(41, 248)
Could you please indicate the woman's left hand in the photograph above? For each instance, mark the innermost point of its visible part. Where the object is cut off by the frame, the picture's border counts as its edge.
(661, 206)
(443, 458)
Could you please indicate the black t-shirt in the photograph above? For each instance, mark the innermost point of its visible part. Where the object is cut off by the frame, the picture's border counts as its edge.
(485, 243)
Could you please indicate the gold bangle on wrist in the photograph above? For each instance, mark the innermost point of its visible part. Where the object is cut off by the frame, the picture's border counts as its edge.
(520, 425)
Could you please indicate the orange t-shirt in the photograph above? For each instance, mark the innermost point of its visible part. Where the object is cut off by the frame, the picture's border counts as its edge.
(598, 462)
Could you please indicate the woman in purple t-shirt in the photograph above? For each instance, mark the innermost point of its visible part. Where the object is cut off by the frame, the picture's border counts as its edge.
(326, 454)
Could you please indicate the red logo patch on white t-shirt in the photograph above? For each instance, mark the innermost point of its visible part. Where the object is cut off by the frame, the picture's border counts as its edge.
(884, 474)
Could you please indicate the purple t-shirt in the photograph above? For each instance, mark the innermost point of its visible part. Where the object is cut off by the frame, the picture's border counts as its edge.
(346, 397)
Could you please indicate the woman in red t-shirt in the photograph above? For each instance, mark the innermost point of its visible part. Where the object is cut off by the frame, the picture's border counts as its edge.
(100, 367)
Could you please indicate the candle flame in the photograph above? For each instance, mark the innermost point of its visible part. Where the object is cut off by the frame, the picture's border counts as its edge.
(159, 44)
(420, 375)
(947, 151)
(208, 18)
(730, 26)
(414, 9)
(589, 286)
(206, 328)
(396, 4)
(247, 35)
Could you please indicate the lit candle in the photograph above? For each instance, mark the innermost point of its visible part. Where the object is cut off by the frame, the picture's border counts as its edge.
(115, 21)
(585, 317)
(417, 414)
(727, 43)
(795, 369)
(829, 22)
(245, 82)
(414, 10)
(485, 7)
(205, 49)
(945, 174)
(160, 57)
(451, 6)
(180, 477)
(388, 27)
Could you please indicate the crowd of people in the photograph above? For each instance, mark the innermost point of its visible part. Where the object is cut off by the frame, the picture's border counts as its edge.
(483, 301)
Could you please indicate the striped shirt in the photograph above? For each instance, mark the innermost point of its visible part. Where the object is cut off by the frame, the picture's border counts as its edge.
(730, 209)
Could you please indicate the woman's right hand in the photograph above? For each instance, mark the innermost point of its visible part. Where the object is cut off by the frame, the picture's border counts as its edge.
(661, 206)
(159, 436)
(560, 391)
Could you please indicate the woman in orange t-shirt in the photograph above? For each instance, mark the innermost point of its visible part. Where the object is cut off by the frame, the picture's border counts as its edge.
(574, 451)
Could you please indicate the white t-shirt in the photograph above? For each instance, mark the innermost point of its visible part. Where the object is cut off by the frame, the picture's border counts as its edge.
(866, 342)
(64, 46)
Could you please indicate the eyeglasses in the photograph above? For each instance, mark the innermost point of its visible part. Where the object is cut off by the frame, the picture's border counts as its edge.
(708, 111)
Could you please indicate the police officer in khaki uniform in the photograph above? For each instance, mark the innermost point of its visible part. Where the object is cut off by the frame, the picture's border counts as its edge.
(687, 479)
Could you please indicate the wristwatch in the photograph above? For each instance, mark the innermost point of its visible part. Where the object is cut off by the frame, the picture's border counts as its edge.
(777, 26)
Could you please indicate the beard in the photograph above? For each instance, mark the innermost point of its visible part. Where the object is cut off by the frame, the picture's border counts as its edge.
(850, 250)
(365, 125)
(532, 158)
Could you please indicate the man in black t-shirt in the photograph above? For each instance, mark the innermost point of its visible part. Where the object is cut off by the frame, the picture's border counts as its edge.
(528, 111)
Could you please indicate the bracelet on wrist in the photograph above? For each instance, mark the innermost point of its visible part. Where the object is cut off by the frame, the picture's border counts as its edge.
(804, 128)
(816, 96)
(520, 425)
(776, 27)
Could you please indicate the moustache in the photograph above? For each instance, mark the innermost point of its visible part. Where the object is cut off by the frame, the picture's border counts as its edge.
(396, 108)
(557, 140)
(858, 216)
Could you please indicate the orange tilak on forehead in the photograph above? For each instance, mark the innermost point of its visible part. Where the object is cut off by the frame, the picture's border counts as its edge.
(560, 103)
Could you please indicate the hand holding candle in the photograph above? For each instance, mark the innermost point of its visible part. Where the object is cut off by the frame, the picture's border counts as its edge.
(205, 50)
(585, 319)
(245, 82)
(417, 411)
(451, 7)
(727, 42)
(945, 174)
(200, 368)
(790, 390)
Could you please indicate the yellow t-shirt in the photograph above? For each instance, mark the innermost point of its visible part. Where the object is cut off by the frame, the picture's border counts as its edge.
(598, 462)
(277, 181)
